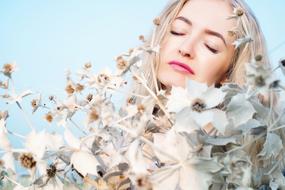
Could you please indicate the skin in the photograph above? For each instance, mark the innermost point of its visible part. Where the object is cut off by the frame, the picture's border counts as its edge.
(190, 42)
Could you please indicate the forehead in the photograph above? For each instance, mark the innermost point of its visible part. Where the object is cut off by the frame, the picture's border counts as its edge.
(209, 14)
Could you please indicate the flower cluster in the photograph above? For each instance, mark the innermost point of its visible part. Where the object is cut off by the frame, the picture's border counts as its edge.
(212, 138)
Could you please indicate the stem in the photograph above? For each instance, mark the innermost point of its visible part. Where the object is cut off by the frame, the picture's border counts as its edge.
(275, 69)
(25, 116)
(91, 182)
(16, 134)
(114, 123)
(154, 96)
(78, 127)
(244, 145)
(131, 93)
(276, 121)
(271, 105)
(152, 66)
(13, 181)
(147, 142)
(280, 127)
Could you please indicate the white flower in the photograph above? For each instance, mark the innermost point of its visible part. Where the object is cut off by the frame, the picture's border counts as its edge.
(71, 140)
(84, 162)
(136, 158)
(39, 143)
(198, 103)
(182, 170)
(258, 76)
(239, 42)
(17, 97)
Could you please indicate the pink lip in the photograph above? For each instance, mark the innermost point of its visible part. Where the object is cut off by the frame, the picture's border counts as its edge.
(181, 67)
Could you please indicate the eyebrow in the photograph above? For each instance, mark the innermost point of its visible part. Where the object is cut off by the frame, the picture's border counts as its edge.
(207, 31)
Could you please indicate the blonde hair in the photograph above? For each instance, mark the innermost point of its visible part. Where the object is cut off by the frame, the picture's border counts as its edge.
(247, 25)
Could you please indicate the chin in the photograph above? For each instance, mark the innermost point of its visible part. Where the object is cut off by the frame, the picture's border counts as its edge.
(172, 79)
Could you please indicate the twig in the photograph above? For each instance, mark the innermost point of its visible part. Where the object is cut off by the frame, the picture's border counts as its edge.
(25, 116)
(146, 141)
(154, 96)
(13, 181)
(78, 127)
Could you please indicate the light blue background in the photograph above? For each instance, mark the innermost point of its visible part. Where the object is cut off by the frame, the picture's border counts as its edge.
(45, 37)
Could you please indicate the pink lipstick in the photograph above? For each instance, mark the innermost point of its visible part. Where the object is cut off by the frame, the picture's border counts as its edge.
(182, 67)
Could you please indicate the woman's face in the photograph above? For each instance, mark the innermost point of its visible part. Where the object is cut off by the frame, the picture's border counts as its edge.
(197, 47)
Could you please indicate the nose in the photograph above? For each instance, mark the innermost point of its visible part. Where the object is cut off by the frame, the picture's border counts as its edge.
(186, 48)
(184, 53)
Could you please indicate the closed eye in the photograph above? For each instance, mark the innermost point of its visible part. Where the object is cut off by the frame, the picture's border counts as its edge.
(176, 33)
(212, 49)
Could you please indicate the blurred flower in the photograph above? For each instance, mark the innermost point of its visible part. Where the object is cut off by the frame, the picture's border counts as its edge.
(4, 84)
(4, 115)
(27, 160)
(49, 117)
(199, 105)
(17, 98)
(8, 69)
(79, 87)
(36, 103)
(242, 41)
(142, 38)
(70, 88)
(237, 12)
(258, 76)
(84, 162)
(156, 21)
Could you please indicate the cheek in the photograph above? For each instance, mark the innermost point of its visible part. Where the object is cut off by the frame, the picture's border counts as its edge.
(212, 69)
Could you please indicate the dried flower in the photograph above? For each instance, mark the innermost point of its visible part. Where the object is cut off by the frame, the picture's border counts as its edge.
(4, 84)
(51, 171)
(141, 108)
(51, 98)
(141, 38)
(2, 163)
(131, 50)
(143, 183)
(93, 116)
(258, 57)
(79, 87)
(237, 13)
(89, 97)
(103, 78)
(4, 115)
(121, 63)
(258, 75)
(242, 41)
(156, 21)
(69, 89)
(27, 160)
(8, 69)
(36, 103)
(232, 33)
(130, 100)
(49, 117)
(198, 105)
(87, 65)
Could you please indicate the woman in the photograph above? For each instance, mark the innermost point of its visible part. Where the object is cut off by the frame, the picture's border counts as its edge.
(196, 39)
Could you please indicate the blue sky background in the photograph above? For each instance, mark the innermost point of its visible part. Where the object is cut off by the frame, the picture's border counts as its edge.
(48, 36)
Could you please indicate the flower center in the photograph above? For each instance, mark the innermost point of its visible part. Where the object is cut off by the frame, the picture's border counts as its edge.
(198, 105)
(259, 81)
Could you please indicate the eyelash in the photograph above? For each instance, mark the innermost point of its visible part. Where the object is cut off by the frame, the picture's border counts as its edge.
(214, 51)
